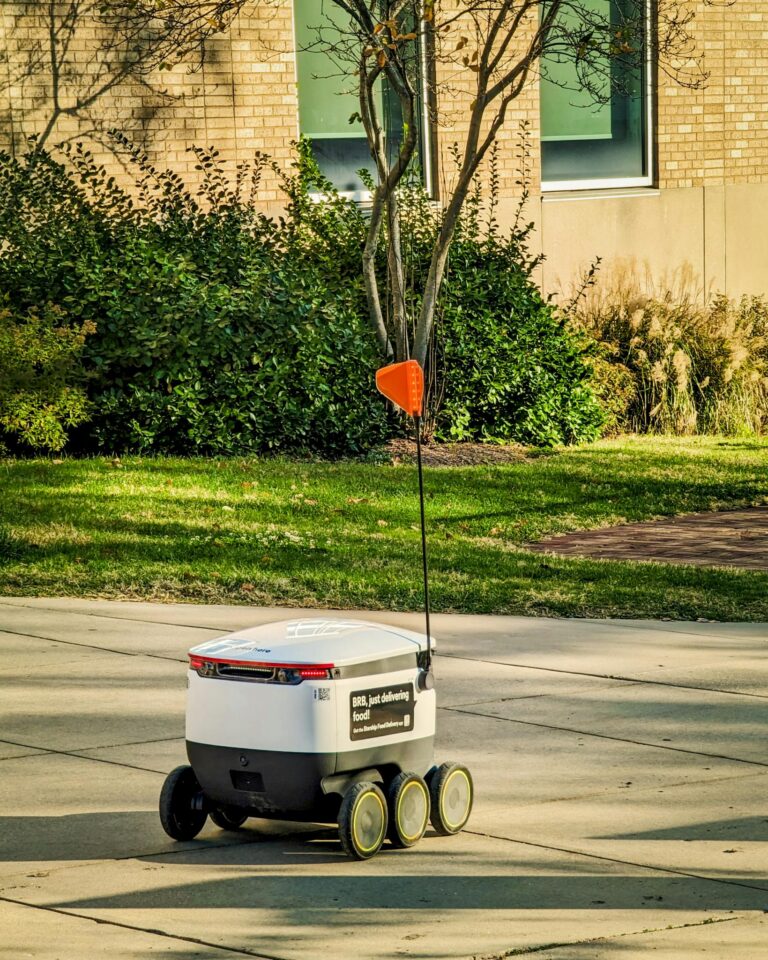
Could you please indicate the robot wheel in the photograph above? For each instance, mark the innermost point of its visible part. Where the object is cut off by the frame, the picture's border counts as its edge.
(408, 802)
(182, 808)
(451, 792)
(363, 820)
(228, 818)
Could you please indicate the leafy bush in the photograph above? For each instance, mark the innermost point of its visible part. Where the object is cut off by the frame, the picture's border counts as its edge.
(41, 393)
(505, 365)
(616, 390)
(222, 331)
(513, 371)
(219, 329)
(694, 367)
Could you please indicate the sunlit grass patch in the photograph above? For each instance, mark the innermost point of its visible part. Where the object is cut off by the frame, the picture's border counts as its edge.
(346, 534)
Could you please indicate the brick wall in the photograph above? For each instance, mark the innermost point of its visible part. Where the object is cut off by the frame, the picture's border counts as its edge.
(60, 79)
(243, 97)
(456, 90)
(719, 134)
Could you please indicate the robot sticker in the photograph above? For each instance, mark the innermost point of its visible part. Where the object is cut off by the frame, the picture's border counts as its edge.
(381, 711)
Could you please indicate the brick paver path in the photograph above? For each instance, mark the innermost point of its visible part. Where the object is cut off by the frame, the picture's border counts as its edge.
(735, 538)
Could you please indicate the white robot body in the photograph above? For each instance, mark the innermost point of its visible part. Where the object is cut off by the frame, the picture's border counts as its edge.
(284, 717)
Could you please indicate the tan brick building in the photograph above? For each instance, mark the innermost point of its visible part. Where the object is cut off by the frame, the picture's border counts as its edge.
(674, 177)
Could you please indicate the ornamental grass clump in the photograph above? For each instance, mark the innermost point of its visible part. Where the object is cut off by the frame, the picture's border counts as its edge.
(686, 363)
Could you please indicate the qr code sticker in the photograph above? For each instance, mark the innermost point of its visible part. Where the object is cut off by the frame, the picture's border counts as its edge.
(323, 693)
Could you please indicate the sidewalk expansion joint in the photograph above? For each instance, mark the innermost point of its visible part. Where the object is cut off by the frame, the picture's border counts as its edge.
(237, 951)
(610, 623)
(624, 863)
(82, 756)
(38, 752)
(660, 626)
(482, 703)
(219, 630)
(606, 736)
(111, 616)
(526, 696)
(608, 676)
(128, 743)
(93, 646)
(243, 839)
(583, 795)
(524, 951)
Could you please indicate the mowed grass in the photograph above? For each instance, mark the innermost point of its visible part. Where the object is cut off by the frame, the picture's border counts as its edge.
(345, 534)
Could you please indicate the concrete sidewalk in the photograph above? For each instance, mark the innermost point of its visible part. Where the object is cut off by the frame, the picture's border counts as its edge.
(621, 771)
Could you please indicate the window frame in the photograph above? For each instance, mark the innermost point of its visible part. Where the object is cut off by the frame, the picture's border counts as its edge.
(647, 180)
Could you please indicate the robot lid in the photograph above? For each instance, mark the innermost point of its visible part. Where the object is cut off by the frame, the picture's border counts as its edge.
(319, 642)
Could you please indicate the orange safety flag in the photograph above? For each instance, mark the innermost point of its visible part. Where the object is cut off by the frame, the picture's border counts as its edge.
(403, 384)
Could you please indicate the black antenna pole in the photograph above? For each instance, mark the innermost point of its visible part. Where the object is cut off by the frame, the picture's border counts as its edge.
(423, 541)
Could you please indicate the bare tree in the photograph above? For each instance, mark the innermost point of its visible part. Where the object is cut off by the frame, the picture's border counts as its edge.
(498, 46)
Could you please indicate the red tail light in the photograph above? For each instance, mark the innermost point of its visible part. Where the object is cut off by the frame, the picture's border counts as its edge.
(314, 673)
(253, 670)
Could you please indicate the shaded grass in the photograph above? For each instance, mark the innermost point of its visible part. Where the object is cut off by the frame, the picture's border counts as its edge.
(346, 534)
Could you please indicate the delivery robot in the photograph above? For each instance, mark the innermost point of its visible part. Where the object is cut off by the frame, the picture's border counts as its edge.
(321, 720)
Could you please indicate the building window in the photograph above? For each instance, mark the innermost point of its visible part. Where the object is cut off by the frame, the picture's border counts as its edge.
(328, 101)
(585, 143)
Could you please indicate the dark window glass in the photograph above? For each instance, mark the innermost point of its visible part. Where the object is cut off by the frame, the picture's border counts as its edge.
(585, 140)
(328, 99)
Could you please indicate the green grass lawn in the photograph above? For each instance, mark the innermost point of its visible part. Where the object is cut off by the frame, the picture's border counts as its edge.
(346, 534)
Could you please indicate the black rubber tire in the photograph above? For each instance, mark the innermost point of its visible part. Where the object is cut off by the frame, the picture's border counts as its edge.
(408, 812)
(228, 818)
(363, 820)
(451, 791)
(180, 819)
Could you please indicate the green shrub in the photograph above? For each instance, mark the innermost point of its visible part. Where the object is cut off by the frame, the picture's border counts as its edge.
(222, 331)
(273, 363)
(41, 392)
(615, 387)
(219, 330)
(513, 371)
(695, 367)
(505, 365)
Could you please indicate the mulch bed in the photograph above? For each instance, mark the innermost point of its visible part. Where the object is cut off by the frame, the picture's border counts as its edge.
(456, 454)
